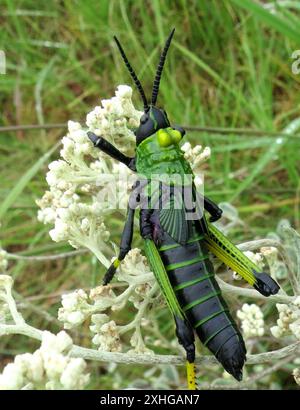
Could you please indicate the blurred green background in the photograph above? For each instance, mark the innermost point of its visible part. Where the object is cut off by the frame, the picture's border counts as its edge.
(230, 66)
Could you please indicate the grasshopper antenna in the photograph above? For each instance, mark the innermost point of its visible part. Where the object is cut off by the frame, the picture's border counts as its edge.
(160, 68)
(133, 75)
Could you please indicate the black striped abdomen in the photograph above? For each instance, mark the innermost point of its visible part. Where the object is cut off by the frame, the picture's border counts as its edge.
(192, 276)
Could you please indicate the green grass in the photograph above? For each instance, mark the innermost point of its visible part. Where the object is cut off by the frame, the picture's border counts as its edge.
(229, 66)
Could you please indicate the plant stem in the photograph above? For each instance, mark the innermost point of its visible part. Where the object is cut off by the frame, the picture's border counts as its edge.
(47, 257)
(144, 359)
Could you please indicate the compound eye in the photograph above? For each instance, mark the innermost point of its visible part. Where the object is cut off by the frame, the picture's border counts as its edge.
(176, 136)
(144, 119)
(180, 129)
(164, 139)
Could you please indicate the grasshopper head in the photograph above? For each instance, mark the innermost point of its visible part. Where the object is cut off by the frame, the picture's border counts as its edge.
(152, 121)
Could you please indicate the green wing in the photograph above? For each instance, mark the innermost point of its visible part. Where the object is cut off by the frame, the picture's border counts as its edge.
(162, 278)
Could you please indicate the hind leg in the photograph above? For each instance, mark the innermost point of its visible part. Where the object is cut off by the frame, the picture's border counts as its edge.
(185, 335)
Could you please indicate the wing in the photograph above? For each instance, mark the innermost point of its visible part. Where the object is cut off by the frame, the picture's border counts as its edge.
(173, 221)
(180, 207)
(162, 278)
(172, 213)
(228, 253)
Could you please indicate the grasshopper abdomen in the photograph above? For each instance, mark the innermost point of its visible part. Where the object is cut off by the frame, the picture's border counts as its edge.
(191, 274)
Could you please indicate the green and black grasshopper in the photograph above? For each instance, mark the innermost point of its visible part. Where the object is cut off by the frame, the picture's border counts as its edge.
(177, 246)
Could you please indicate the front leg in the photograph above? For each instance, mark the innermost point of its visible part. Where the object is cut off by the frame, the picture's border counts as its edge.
(126, 238)
(125, 247)
(111, 150)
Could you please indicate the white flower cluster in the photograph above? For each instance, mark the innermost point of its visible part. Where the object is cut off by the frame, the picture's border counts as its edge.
(107, 335)
(48, 368)
(75, 308)
(116, 118)
(289, 320)
(3, 260)
(277, 268)
(81, 194)
(75, 220)
(79, 306)
(252, 320)
(130, 270)
(195, 155)
(255, 257)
